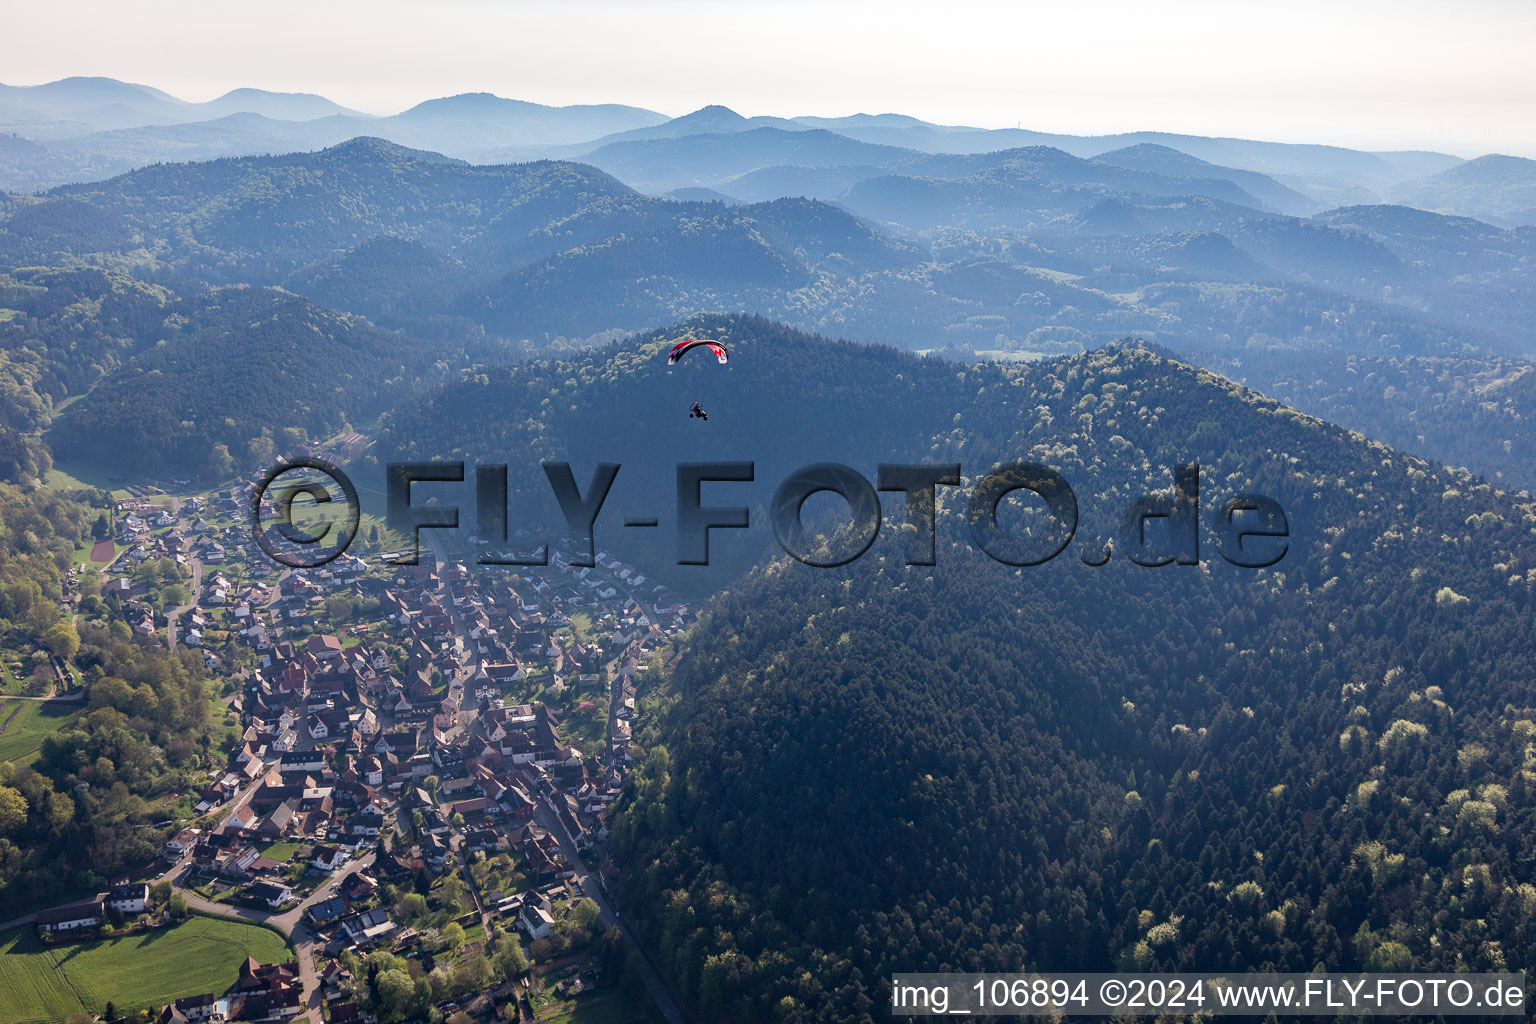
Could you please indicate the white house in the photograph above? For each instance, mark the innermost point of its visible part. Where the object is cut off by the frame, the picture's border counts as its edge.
(129, 897)
(270, 891)
(327, 858)
(71, 917)
(535, 920)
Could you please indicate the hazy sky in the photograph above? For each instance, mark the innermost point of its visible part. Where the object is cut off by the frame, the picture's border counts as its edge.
(1375, 73)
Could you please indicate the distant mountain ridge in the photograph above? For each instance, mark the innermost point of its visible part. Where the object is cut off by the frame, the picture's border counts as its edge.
(1056, 252)
(93, 128)
(1007, 255)
(107, 103)
(1499, 189)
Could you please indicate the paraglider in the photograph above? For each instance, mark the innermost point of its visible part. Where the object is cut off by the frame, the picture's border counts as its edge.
(684, 347)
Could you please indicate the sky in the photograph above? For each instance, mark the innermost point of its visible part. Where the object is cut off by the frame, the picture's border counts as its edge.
(1376, 74)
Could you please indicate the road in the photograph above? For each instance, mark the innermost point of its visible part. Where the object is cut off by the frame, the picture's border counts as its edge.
(74, 697)
(590, 887)
(176, 613)
(17, 922)
(292, 924)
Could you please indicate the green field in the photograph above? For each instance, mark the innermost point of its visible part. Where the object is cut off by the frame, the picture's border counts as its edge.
(200, 955)
(587, 730)
(74, 476)
(82, 556)
(600, 1008)
(24, 735)
(280, 851)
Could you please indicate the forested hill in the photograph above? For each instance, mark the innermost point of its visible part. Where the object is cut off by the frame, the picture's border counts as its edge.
(784, 400)
(226, 378)
(1470, 411)
(269, 215)
(883, 768)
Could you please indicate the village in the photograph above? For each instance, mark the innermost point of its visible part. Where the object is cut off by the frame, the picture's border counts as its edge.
(425, 766)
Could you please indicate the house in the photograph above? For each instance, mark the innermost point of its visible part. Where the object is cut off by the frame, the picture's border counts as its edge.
(129, 897)
(332, 978)
(475, 807)
(327, 858)
(535, 920)
(505, 672)
(242, 818)
(194, 1008)
(326, 911)
(301, 761)
(519, 804)
(368, 820)
(179, 844)
(266, 991)
(368, 928)
(280, 821)
(235, 861)
(71, 918)
(485, 837)
(270, 891)
(323, 647)
(358, 886)
(373, 770)
(255, 975)
(345, 1013)
(434, 850)
(278, 1003)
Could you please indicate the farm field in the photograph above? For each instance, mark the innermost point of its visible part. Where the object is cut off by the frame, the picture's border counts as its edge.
(200, 955)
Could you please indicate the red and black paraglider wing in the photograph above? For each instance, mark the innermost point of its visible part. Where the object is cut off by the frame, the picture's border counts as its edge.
(684, 347)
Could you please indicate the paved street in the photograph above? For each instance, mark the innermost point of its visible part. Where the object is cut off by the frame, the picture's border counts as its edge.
(173, 617)
(590, 887)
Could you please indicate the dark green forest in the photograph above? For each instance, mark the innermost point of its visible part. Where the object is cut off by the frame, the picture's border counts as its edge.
(234, 369)
(972, 767)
